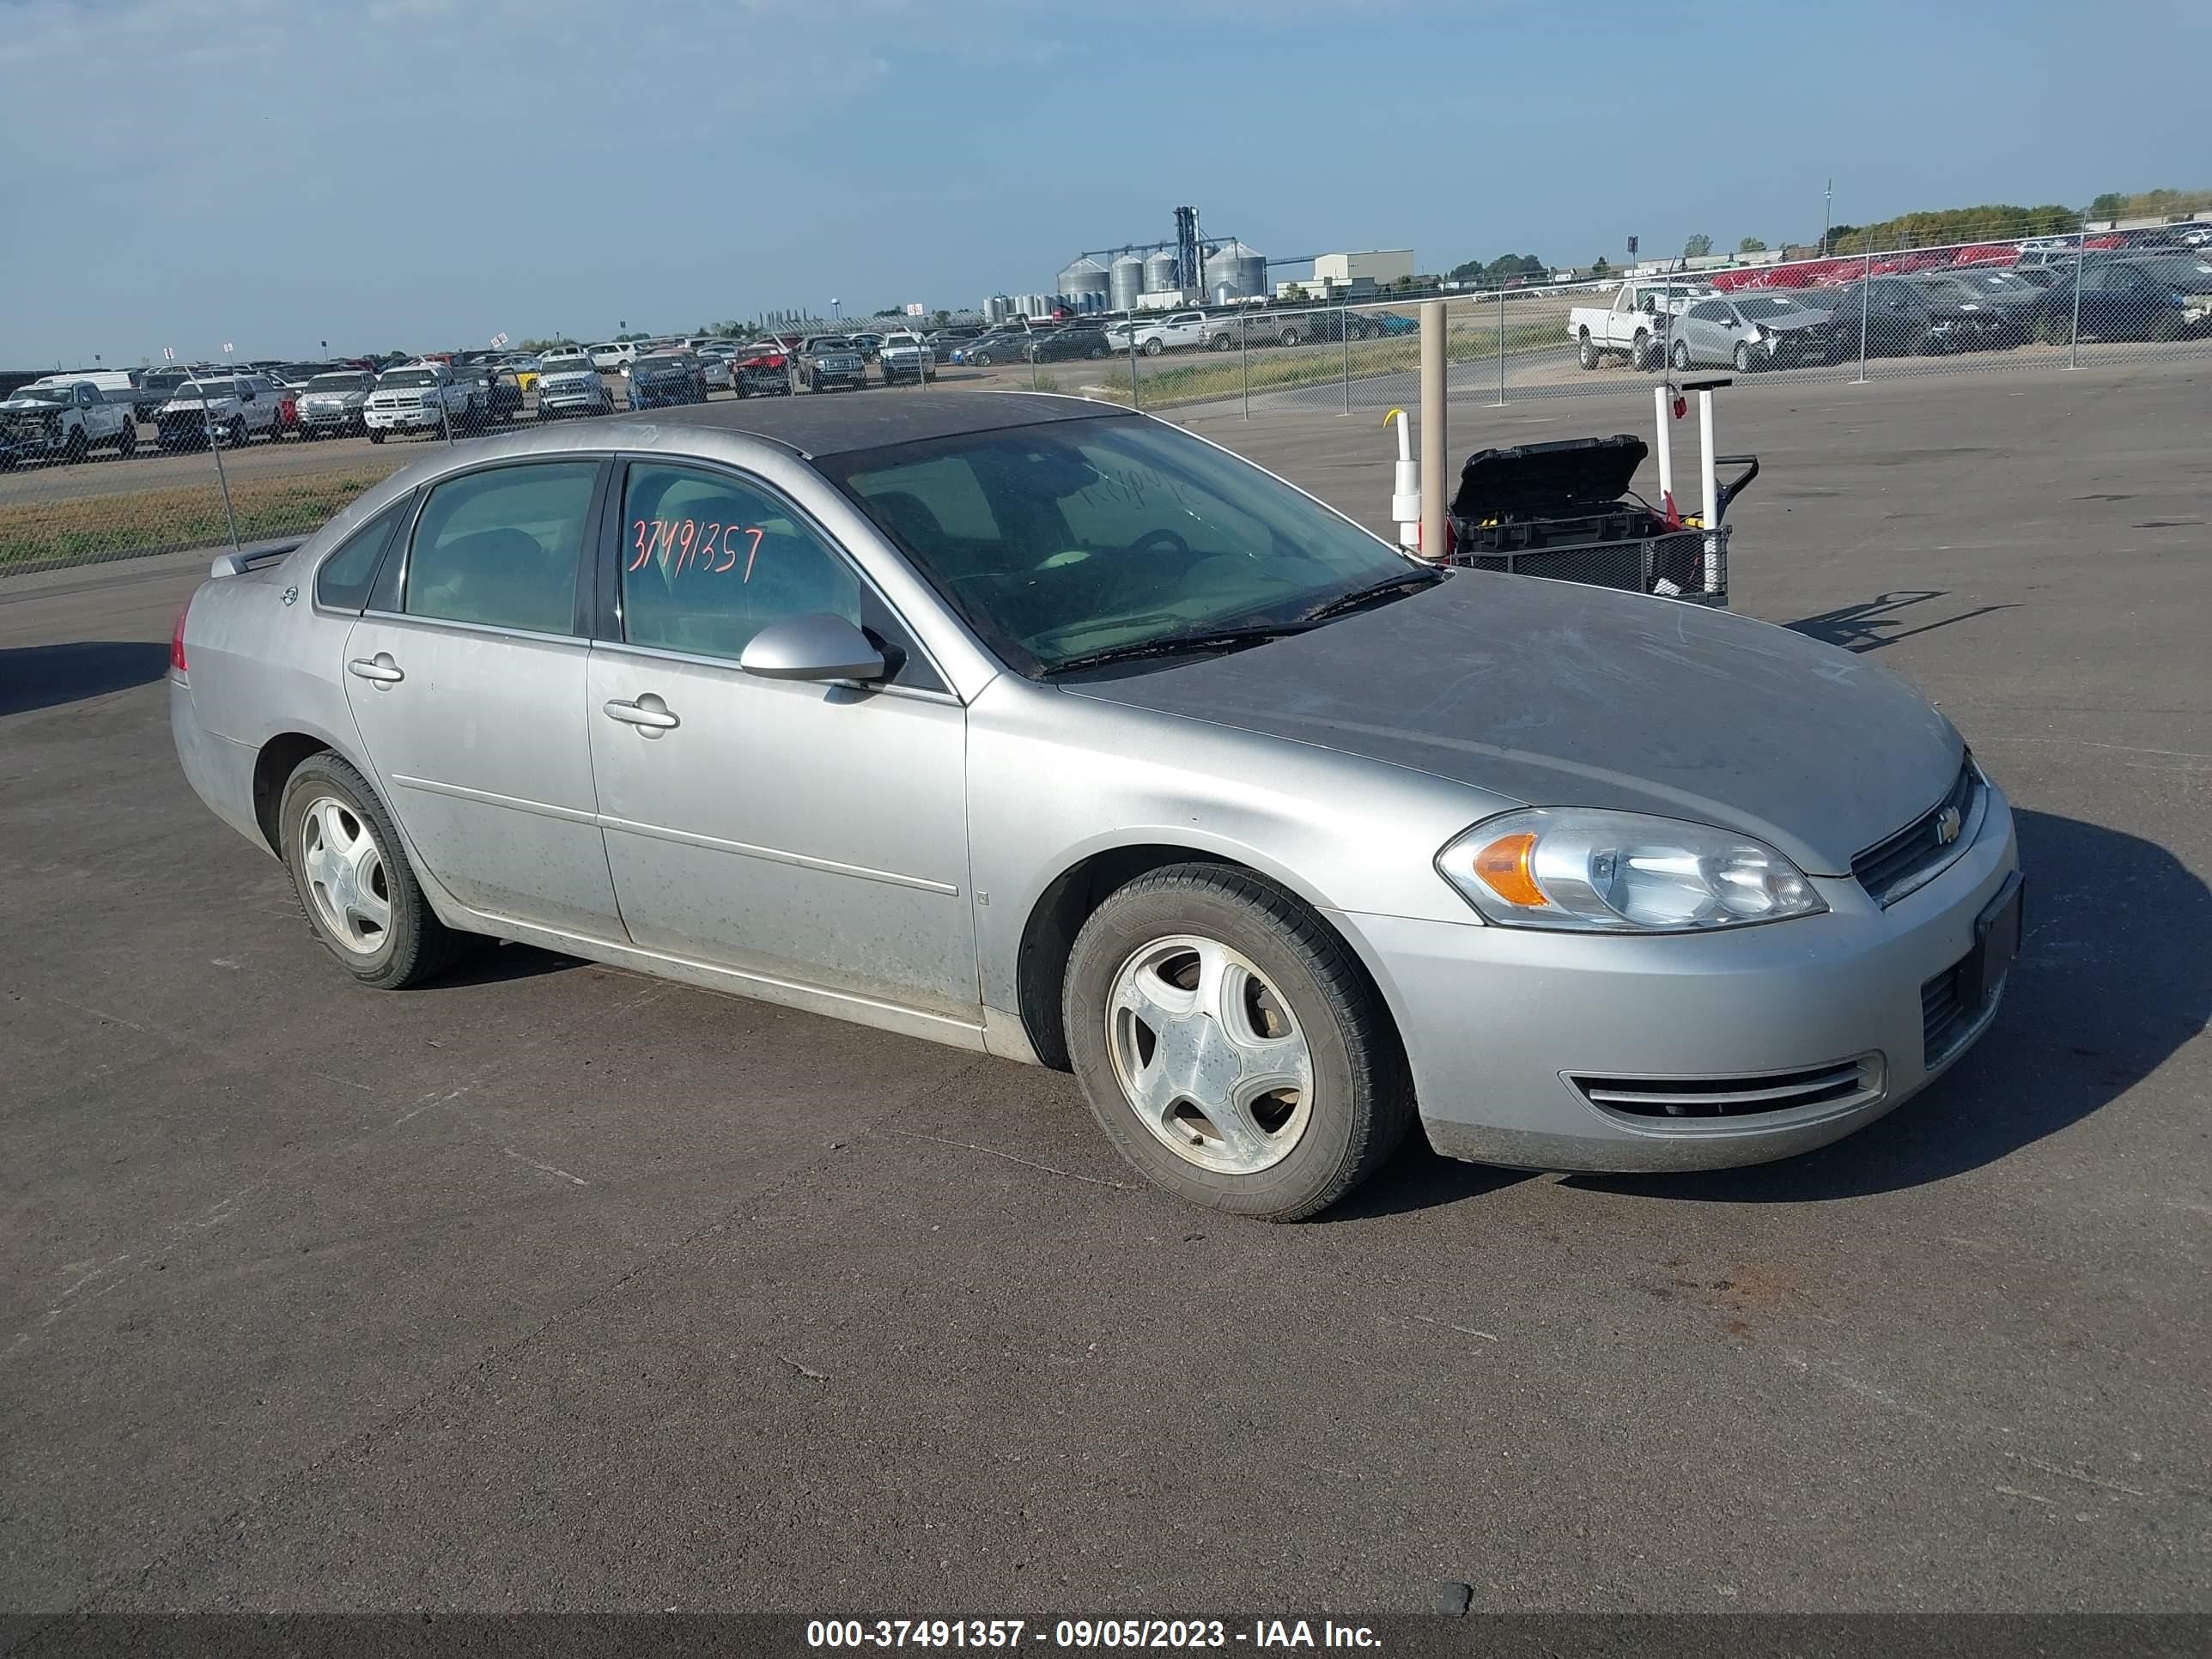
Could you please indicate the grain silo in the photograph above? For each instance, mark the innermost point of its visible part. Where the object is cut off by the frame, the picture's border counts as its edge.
(1162, 272)
(1125, 283)
(1085, 285)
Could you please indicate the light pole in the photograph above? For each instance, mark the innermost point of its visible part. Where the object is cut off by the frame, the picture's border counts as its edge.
(1827, 215)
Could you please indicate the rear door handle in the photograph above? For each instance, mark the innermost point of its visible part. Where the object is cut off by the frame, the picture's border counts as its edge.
(379, 669)
(648, 714)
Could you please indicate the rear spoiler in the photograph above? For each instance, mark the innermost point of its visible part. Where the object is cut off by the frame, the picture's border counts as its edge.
(249, 558)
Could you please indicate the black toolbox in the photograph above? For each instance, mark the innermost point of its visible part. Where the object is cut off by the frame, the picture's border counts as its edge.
(1564, 510)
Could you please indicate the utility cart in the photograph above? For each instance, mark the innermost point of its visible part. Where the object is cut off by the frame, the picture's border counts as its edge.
(1567, 511)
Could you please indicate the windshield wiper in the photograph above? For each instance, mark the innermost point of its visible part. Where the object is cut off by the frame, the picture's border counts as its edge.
(1175, 645)
(1360, 597)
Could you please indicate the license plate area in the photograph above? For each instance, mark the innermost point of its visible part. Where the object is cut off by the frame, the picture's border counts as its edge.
(1996, 943)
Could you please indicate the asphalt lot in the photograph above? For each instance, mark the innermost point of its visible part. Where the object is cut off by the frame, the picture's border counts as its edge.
(558, 1287)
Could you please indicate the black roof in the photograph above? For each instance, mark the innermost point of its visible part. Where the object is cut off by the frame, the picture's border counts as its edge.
(832, 423)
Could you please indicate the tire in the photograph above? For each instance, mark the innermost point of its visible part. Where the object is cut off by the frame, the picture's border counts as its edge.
(74, 449)
(126, 441)
(1290, 337)
(980, 360)
(237, 437)
(1354, 1104)
(1639, 353)
(1221, 343)
(1586, 351)
(348, 867)
(1154, 346)
(1681, 354)
(376, 435)
(1743, 362)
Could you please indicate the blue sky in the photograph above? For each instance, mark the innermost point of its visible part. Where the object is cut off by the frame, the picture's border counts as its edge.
(415, 174)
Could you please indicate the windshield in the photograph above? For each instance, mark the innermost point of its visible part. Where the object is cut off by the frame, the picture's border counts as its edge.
(2195, 275)
(1064, 538)
(408, 377)
(198, 392)
(832, 342)
(1765, 305)
(334, 383)
(45, 394)
(660, 366)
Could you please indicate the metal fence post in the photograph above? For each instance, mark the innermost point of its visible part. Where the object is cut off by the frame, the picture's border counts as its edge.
(1244, 349)
(1501, 349)
(207, 425)
(2073, 344)
(1866, 289)
(1028, 350)
(1344, 320)
(1136, 401)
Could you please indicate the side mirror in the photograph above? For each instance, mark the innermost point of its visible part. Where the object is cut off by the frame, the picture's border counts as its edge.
(818, 647)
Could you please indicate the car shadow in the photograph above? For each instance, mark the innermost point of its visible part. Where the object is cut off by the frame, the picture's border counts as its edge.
(2112, 979)
(1874, 622)
(497, 962)
(46, 676)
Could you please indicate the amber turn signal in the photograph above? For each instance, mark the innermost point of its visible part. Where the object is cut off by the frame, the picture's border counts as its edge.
(1503, 867)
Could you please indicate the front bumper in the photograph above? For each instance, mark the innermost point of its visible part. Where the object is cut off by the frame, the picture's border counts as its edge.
(1496, 1021)
(404, 420)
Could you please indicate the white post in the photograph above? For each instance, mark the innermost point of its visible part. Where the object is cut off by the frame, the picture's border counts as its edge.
(1708, 484)
(1435, 516)
(1665, 442)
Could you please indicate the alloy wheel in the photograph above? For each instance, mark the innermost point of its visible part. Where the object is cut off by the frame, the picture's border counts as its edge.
(345, 876)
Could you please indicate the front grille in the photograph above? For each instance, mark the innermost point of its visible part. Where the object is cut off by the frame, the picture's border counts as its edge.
(1843, 1082)
(1916, 855)
(1947, 1018)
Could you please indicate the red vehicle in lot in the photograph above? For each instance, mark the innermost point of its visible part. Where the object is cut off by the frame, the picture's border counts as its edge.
(763, 371)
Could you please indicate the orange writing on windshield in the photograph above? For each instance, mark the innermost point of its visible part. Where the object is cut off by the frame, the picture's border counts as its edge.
(682, 543)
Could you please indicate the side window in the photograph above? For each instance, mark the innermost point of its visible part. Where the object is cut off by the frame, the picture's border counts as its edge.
(707, 562)
(1712, 312)
(343, 582)
(501, 547)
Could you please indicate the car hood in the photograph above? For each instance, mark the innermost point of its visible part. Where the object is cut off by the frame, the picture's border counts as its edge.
(1553, 695)
(32, 406)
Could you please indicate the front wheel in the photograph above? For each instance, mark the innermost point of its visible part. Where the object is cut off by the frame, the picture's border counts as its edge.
(1230, 1046)
(1641, 355)
(1586, 350)
(1154, 346)
(1681, 354)
(75, 448)
(1095, 353)
(376, 435)
(361, 899)
(1744, 365)
(1290, 337)
(238, 434)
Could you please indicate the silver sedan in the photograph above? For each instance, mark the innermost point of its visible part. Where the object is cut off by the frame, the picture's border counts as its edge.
(1047, 730)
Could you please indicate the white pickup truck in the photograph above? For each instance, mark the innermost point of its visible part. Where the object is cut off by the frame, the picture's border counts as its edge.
(64, 423)
(420, 398)
(1636, 326)
(1178, 330)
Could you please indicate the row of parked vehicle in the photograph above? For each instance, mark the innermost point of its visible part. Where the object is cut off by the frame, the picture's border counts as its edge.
(2051, 293)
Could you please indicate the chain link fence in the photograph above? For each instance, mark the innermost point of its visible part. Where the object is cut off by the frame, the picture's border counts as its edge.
(102, 463)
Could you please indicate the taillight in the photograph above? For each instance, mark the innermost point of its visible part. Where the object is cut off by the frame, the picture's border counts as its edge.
(177, 640)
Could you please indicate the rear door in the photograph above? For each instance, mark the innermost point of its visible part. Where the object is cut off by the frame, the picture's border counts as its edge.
(466, 676)
(809, 833)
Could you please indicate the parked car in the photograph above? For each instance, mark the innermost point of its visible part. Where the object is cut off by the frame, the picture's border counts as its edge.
(2011, 303)
(155, 386)
(1179, 330)
(64, 423)
(867, 343)
(1004, 345)
(953, 665)
(1074, 340)
(424, 396)
(662, 378)
(1901, 317)
(2135, 297)
(715, 359)
(1751, 331)
(229, 408)
(825, 361)
(905, 355)
(502, 397)
(614, 356)
(761, 370)
(1637, 324)
(333, 405)
(571, 385)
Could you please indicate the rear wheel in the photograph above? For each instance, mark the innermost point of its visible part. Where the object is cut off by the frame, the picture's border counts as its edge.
(1222, 343)
(1744, 365)
(353, 880)
(1586, 352)
(1154, 346)
(1228, 1045)
(1291, 336)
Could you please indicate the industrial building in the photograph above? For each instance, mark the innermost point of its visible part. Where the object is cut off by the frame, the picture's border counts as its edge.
(1354, 276)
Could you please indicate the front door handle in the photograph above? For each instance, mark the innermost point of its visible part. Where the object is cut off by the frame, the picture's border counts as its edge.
(648, 714)
(379, 669)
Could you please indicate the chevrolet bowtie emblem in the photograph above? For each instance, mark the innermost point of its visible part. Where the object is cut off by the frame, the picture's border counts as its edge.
(1947, 824)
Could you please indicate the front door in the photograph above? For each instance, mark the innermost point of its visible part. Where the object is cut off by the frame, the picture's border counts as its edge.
(468, 682)
(810, 834)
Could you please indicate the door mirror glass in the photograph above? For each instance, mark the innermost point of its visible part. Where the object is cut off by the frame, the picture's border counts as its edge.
(818, 647)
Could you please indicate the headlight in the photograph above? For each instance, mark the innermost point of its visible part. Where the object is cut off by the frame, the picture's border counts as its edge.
(1578, 871)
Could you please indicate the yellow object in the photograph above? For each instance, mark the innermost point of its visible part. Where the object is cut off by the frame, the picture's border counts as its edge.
(1504, 867)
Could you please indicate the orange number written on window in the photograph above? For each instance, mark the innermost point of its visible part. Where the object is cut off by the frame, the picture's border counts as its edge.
(687, 543)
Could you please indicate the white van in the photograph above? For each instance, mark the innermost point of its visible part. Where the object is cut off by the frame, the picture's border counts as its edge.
(116, 385)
